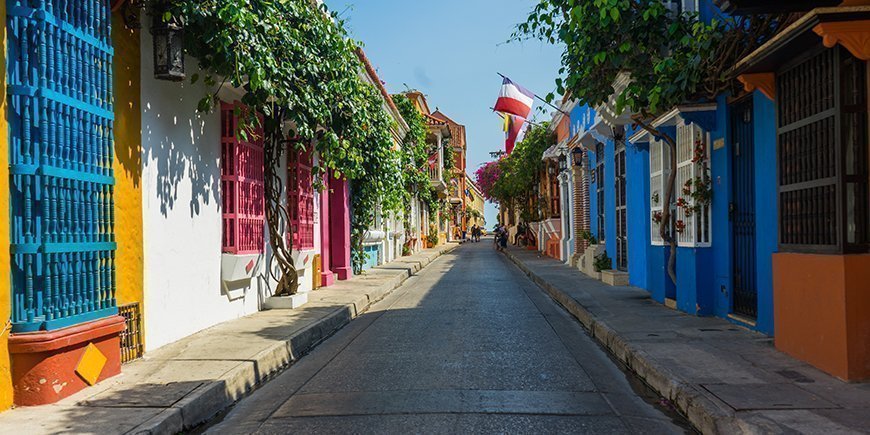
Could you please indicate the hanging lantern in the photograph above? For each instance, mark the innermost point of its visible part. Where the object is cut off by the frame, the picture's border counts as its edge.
(563, 162)
(577, 156)
(168, 46)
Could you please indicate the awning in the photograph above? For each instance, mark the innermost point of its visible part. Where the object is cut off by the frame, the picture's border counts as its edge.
(554, 152)
(600, 131)
(848, 25)
(704, 115)
(748, 7)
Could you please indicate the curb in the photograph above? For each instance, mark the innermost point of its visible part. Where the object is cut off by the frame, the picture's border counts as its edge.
(703, 413)
(213, 397)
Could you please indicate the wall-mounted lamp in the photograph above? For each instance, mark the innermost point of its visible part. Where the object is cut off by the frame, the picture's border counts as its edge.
(168, 45)
(577, 156)
(563, 163)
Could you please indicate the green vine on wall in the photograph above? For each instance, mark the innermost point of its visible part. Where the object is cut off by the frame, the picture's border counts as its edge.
(297, 67)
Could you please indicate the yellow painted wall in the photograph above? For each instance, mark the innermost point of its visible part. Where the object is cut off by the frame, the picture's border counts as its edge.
(5, 264)
(128, 164)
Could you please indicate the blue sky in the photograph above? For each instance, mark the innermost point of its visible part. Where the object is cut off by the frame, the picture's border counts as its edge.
(451, 50)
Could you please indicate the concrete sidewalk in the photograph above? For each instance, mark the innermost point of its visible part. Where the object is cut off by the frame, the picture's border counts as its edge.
(724, 378)
(180, 385)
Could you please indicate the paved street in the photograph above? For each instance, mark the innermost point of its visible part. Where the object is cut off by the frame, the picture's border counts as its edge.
(468, 345)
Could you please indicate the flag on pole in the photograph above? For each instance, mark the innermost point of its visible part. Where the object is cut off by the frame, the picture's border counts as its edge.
(515, 131)
(514, 99)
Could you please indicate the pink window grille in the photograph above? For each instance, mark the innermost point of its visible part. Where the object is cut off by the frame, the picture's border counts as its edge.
(241, 185)
(300, 199)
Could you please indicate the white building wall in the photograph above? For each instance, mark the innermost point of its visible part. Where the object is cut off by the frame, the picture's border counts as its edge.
(182, 221)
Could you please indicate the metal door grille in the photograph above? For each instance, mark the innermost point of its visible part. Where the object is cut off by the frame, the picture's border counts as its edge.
(59, 75)
(621, 209)
(131, 337)
(822, 149)
(742, 210)
(808, 152)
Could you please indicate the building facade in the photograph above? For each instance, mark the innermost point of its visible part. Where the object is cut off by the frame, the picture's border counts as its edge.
(109, 175)
(770, 199)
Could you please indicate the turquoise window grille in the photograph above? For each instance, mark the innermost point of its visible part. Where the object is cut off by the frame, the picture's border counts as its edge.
(59, 75)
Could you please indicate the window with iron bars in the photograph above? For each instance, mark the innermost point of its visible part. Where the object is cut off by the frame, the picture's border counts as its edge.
(660, 170)
(300, 199)
(242, 192)
(822, 145)
(692, 223)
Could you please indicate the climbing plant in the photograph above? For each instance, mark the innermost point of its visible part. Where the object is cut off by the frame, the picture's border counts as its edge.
(671, 58)
(415, 159)
(298, 68)
(510, 179)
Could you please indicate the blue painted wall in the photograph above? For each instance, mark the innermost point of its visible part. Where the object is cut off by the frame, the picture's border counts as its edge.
(720, 165)
(659, 284)
(764, 119)
(373, 256)
(694, 280)
(766, 222)
(637, 192)
(582, 117)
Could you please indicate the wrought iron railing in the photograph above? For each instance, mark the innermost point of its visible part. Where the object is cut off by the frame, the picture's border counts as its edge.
(61, 152)
(131, 337)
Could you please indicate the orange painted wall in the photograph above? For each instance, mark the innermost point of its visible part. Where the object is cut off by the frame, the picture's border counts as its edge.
(820, 311)
(563, 129)
(858, 315)
(128, 164)
(5, 264)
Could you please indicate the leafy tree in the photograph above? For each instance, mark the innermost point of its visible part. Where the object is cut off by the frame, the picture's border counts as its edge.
(508, 180)
(298, 67)
(672, 58)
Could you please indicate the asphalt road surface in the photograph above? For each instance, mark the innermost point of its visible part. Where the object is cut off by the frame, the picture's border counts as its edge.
(469, 345)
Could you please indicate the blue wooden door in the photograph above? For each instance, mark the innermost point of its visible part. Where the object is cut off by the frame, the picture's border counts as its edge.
(742, 210)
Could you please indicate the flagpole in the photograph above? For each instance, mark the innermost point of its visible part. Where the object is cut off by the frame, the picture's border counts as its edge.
(542, 100)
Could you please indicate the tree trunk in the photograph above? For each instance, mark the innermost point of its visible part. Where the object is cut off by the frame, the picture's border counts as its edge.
(664, 225)
(277, 217)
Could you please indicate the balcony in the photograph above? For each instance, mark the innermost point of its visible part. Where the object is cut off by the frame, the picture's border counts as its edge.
(438, 181)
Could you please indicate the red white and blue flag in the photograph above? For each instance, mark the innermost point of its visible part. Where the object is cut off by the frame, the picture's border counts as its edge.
(514, 99)
(515, 130)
